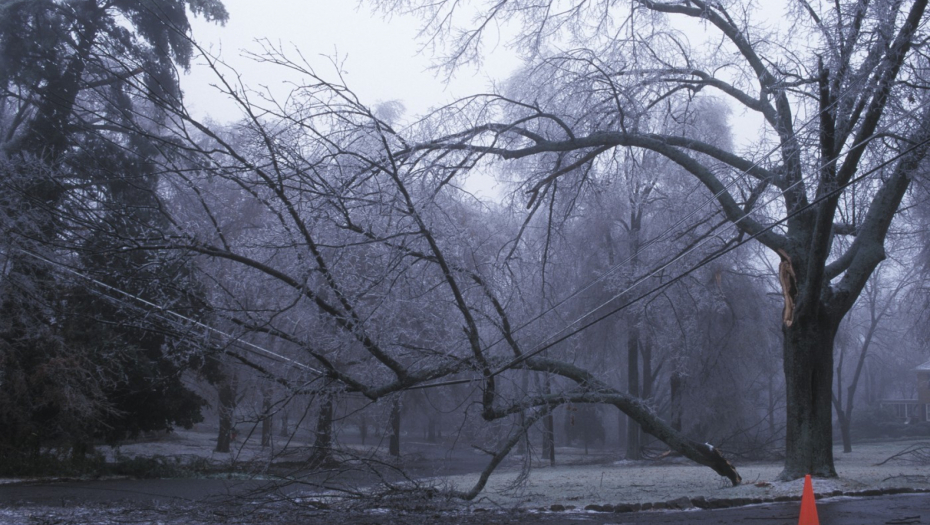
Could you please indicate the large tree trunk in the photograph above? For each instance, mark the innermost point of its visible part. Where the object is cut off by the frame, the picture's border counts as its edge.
(431, 429)
(548, 445)
(227, 405)
(845, 432)
(549, 437)
(394, 444)
(621, 429)
(808, 362)
(675, 395)
(647, 383)
(770, 410)
(633, 446)
(647, 377)
(284, 425)
(323, 443)
(523, 446)
(633, 431)
(267, 419)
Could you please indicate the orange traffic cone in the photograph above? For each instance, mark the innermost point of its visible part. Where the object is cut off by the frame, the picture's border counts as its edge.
(808, 505)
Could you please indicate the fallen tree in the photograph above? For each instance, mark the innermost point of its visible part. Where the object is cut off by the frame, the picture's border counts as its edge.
(375, 270)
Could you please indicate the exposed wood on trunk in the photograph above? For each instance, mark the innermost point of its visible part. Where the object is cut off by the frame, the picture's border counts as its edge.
(789, 286)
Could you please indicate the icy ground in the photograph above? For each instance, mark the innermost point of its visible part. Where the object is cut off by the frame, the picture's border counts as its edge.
(599, 477)
(577, 481)
(669, 479)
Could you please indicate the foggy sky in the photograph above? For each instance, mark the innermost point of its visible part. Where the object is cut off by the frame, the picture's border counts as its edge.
(382, 58)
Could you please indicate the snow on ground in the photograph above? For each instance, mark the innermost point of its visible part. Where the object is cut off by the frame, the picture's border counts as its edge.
(199, 443)
(666, 480)
(578, 479)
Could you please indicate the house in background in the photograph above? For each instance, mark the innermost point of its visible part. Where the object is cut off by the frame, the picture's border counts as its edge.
(914, 409)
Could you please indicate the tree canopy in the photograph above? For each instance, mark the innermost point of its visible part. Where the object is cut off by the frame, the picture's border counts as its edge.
(81, 87)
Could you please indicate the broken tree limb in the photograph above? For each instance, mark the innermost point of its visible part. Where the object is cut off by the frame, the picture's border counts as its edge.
(917, 453)
(499, 456)
(593, 390)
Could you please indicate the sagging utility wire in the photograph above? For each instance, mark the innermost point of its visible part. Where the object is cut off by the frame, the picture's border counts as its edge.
(165, 312)
(669, 230)
(545, 346)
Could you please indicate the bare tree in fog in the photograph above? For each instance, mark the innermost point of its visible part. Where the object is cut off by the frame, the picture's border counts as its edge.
(383, 265)
(878, 307)
(329, 249)
(855, 82)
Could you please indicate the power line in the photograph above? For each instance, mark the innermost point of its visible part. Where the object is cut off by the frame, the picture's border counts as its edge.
(652, 242)
(164, 310)
(655, 240)
(677, 278)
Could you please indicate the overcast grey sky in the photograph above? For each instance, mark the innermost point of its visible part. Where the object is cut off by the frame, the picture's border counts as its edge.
(381, 57)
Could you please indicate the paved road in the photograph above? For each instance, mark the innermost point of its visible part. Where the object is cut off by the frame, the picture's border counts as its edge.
(98, 501)
(167, 491)
(899, 509)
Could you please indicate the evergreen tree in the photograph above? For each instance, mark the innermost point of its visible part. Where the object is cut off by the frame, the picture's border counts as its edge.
(83, 86)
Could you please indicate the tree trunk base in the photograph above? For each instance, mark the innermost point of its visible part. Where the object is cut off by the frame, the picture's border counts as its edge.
(793, 474)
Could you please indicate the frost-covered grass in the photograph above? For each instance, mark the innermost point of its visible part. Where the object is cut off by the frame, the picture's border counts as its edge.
(181, 453)
(193, 443)
(578, 479)
(668, 479)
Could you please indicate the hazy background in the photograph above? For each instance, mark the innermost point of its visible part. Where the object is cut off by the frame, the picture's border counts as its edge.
(381, 57)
